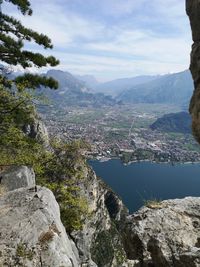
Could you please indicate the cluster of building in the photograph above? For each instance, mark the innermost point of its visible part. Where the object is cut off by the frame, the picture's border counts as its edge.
(113, 135)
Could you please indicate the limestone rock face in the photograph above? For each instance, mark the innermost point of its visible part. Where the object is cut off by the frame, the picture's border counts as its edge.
(100, 242)
(193, 11)
(16, 177)
(37, 130)
(166, 234)
(31, 232)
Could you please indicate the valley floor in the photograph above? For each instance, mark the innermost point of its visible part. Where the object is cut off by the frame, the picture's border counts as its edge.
(123, 131)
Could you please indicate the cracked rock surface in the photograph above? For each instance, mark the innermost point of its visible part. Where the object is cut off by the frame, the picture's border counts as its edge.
(166, 234)
(31, 233)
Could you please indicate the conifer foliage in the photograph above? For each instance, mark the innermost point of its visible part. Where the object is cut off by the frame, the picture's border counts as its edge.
(13, 36)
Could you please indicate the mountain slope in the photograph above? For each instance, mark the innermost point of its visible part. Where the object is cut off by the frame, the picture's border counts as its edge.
(73, 92)
(174, 122)
(67, 82)
(90, 80)
(173, 89)
(115, 87)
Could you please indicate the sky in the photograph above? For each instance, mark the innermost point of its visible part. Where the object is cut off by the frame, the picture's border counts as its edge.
(112, 39)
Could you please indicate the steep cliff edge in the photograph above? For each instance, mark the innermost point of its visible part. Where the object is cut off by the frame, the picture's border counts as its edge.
(100, 239)
(32, 233)
(165, 234)
(193, 11)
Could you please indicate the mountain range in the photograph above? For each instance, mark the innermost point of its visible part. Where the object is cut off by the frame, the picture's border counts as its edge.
(171, 89)
(73, 92)
(115, 87)
(85, 90)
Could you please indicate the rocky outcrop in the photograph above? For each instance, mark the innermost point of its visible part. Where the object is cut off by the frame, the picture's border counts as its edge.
(161, 234)
(165, 234)
(37, 130)
(31, 231)
(193, 11)
(100, 240)
(16, 177)
(33, 235)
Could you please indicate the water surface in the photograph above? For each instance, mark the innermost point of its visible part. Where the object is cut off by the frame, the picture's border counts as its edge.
(138, 182)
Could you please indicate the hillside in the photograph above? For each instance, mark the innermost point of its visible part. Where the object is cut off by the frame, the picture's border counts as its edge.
(117, 86)
(173, 122)
(89, 80)
(73, 92)
(171, 89)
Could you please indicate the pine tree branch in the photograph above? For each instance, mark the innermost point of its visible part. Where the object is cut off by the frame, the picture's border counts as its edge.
(40, 39)
(23, 5)
(12, 37)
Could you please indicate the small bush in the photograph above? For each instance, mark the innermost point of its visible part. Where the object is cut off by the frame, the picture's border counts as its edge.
(23, 252)
(73, 208)
(46, 236)
(153, 203)
(61, 174)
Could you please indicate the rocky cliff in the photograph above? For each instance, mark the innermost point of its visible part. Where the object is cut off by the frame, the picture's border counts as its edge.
(193, 11)
(31, 231)
(37, 130)
(161, 234)
(165, 234)
(98, 243)
(100, 240)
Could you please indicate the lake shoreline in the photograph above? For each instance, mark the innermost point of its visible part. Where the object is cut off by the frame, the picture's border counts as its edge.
(105, 159)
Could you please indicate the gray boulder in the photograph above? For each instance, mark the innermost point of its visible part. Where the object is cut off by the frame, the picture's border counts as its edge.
(16, 177)
(165, 234)
(32, 234)
(37, 130)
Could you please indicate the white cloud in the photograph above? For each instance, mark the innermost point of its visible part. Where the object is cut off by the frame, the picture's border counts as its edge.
(121, 7)
(119, 38)
(139, 44)
(61, 26)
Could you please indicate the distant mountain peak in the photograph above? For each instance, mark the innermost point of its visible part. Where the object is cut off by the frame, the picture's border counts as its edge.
(115, 87)
(74, 92)
(173, 88)
(89, 80)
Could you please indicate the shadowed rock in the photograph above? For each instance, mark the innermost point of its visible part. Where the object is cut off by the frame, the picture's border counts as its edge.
(166, 234)
(193, 11)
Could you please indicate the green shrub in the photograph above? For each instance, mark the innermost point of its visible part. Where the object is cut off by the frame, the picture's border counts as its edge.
(60, 169)
(153, 203)
(23, 252)
(61, 174)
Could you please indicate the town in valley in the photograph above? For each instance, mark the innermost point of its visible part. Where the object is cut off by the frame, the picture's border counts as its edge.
(123, 131)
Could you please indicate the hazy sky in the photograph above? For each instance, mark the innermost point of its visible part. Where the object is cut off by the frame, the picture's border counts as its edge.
(113, 38)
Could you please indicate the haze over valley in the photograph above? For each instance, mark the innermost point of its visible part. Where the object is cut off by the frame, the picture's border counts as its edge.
(146, 118)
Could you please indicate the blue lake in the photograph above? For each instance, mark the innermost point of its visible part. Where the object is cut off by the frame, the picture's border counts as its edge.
(138, 182)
